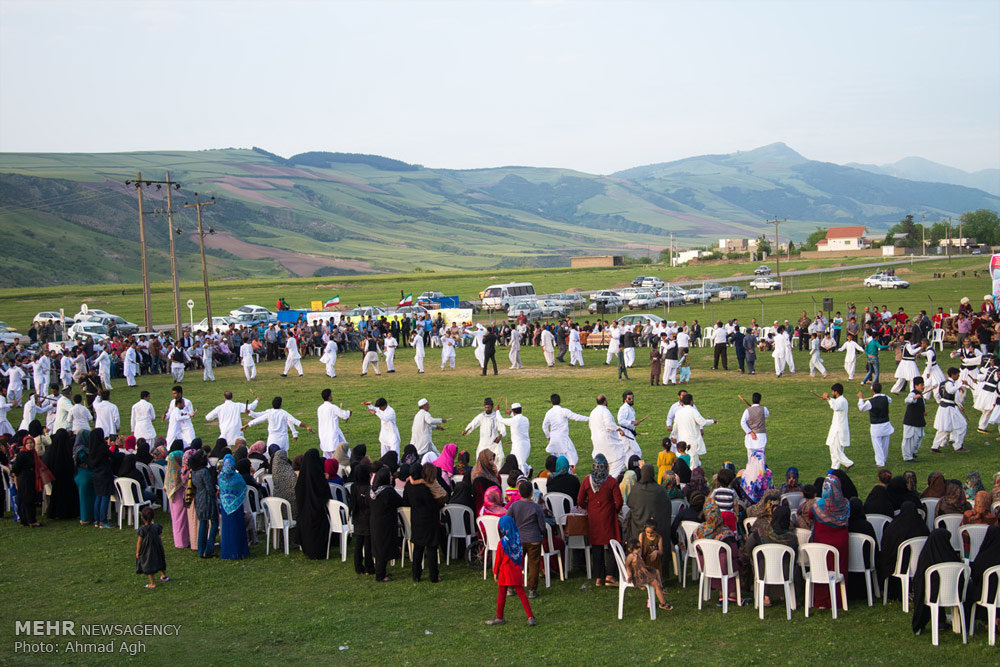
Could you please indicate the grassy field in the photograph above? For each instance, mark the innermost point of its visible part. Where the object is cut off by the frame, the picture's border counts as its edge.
(277, 608)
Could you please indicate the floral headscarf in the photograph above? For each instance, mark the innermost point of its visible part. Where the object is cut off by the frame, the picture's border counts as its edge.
(493, 502)
(996, 487)
(697, 483)
(980, 512)
(714, 527)
(510, 540)
(973, 485)
(258, 447)
(628, 481)
(833, 508)
(953, 501)
(756, 478)
(486, 467)
(186, 461)
(600, 472)
(936, 486)
(232, 486)
(173, 481)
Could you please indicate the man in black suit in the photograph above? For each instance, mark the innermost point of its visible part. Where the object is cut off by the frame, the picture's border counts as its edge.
(490, 350)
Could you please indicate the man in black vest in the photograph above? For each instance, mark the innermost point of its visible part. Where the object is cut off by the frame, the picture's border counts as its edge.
(914, 420)
(490, 350)
(881, 428)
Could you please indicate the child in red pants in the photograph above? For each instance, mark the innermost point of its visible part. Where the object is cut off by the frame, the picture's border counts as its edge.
(507, 570)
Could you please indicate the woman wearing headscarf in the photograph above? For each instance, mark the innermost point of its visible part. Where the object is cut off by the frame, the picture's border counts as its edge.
(409, 455)
(664, 460)
(64, 502)
(484, 476)
(683, 471)
(241, 453)
(361, 511)
(756, 478)
(713, 527)
(446, 462)
(911, 480)
(461, 494)
(878, 502)
(858, 523)
(312, 493)
(937, 549)
(898, 493)
(692, 512)
(830, 516)
(126, 468)
(973, 485)
(425, 522)
(206, 504)
(220, 449)
(84, 487)
(175, 488)
(245, 469)
(550, 466)
(953, 501)
(904, 526)
(633, 465)
(142, 452)
(764, 510)
(42, 440)
(648, 500)
(562, 480)
(192, 513)
(258, 452)
(696, 483)
(383, 522)
(232, 495)
(601, 498)
(23, 471)
(283, 479)
(343, 455)
(81, 441)
(390, 460)
(776, 529)
(494, 502)
(99, 460)
(159, 451)
(671, 484)
(510, 466)
(331, 470)
(996, 488)
(980, 512)
(847, 487)
(507, 570)
(359, 452)
(629, 479)
(989, 556)
(791, 484)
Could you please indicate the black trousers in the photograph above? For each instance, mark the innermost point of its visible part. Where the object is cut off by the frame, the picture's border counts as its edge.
(599, 562)
(740, 357)
(721, 352)
(562, 351)
(363, 555)
(421, 553)
(490, 356)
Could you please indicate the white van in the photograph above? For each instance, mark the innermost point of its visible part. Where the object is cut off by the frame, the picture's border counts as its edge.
(499, 297)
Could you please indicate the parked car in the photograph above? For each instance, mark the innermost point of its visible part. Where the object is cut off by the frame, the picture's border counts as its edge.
(733, 292)
(366, 312)
(762, 270)
(638, 280)
(474, 306)
(644, 299)
(408, 311)
(874, 280)
(765, 283)
(606, 304)
(217, 323)
(122, 326)
(8, 335)
(552, 309)
(652, 281)
(429, 299)
(892, 282)
(47, 316)
(253, 319)
(604, 294)
(524, 307)
(698, 295)
(91, 312)
(257, 311)
(572, 300)
(639, 318)
(84, 330)
(629, 293)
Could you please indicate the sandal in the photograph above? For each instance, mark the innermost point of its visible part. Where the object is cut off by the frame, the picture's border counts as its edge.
(164, 578)
(666, 606)
(610, 581)
(150, 586)
(598, 582)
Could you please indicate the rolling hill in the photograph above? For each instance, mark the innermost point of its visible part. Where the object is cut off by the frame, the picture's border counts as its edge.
(920, 169)
(69, 218)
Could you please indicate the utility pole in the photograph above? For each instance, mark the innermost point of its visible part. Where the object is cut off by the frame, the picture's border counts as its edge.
(948, 246)
(670, 260)
(923, 234)
(173, 262)
(146, 296)
(960, 242)
(777, 247)
(204, 268)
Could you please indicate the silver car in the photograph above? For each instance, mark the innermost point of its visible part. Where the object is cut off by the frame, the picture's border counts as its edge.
(606, 304)
(527, 308)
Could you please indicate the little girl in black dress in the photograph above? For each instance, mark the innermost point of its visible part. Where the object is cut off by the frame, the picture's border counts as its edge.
(149, 555)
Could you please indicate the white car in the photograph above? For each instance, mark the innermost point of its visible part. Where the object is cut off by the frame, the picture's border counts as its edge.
(874, 280)
(47, 316)
(892, 282)
(606, 304)
(644, 299)
(93, 330)
(652, 281)
(762, 270)
(605, 294)
(527, 307)
(765, 283)
(731, 293)
(91, 312)
(8, 335)
(218, 323)
(256, 311)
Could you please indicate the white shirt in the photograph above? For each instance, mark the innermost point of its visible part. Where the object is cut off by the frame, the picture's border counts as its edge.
(672, 413)
(520, 445)
(230, 420)
(548, 340)
(718, 335)
(106, 416)
(877, 430)
(490, 426)
(555, 425)
(279, 422)
(65, 365)
(142, 418)
(574, 339)
(63, 420)
(388, 434)
(417, 341)
(328, 416)
(688, 423)
(246, 354)
(32, 409)
(103, 363)
(420, 433)
(839, 427)
(292, 346)
(683, 339)
(604, 435)
(130, 363)
(79, 417)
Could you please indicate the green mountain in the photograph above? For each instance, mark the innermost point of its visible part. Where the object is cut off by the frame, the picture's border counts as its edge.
(71, 219)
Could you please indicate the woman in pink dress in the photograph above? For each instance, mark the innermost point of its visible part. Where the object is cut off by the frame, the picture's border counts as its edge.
(174, 486)
(830, 514)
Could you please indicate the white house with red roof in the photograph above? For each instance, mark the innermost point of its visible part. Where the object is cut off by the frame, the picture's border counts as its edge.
(839, 239)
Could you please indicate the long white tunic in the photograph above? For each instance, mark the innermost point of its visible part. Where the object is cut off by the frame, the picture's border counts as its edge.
(246, 355)
(80, 418)
(32, 410)
(279, 422)
(490, 426)
(520, 442)
(5, 427)
(417, 341)
(555, 426)
(179, 424)
(626, 417)
(548, 341)
(328, 416)
(840, 431)
(104, 364)
(605, 439)
(421, 431)
(230, 420)
(131, 365)
(66, 370)
(688, 423)
(63, 420)
(106, 416)
(388, 433)
(141, 420)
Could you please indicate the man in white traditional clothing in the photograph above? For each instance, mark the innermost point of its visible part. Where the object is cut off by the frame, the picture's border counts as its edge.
(178, 418)
(985, 395)
(478, 348)
(448, 351)
(329, 357)
(548, 342)
(520, 443)
(555, 426)
(207, 361)
(417, 341)
(780, 352)
(613, 345)
(106, 415)
(279, 423)
(605, 436)
(15, 383)
(949, 421)
(5, 427)
(671, 416)
(103, 363)
(491, 430)
(246, 360)
(515, 349)
(130, 364)
(838, 438)
(292, 359)
(230, 418)
(388, 434)
(42, 372)
(754, 425)
(389, 346)
(575, 346)
(36, 405)
(141, 419)
(688, 425)
(65, 369)
(328, 416)
(63, 407)
(881, 428)
(423, 427)
(79, 415)
(628, 424)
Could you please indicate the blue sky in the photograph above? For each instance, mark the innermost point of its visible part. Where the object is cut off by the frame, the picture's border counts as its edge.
(596, 86)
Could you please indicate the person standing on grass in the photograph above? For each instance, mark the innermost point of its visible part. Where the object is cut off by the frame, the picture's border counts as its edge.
(850, 348)
(815, 362)
(372, 350)
(575, 346)
(555, 426)
(448, 351)
(949, 421)
(423, 428)
(754, 425)
(388, 435)
(719, 337)
(328, 416)
(750, 343)
(417, 341)
(293, 359)
(491, 429)
(548, 342)
(780, 354)
(279, 422)
(489, 346)
(872, 347)
(839, 436)
(914, 420)
(329, 357)
(881, 428)
(149, 555)
(514, 355)
(507, 571)
(246, 360)
(530, 521)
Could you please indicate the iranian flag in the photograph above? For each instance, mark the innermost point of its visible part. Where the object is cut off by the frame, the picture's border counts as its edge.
(407, 301)
(332, 302)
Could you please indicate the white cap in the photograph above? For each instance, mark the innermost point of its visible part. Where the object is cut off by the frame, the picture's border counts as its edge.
(422, 402)
(515, 406)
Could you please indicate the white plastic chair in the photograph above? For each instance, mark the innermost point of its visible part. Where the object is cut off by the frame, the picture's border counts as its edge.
(937, 338)
(748, 523)
(339, 525)
(878, 522)
(821, 574)
(540, 484)
(995, 507)
(457, 478)
(267, 481)
(930, 507)
(461, 526)
(159, 475)
(991, 606)
(687, 534)
(624, 583)
(976, 533)
(951, 522)
(5, 481)
(256, 509)
(953, 580)
(862, 561)
(213, 461)
(129, 500)
(339, 493)
(489, 529)
(146, 473)
(548, 551)
(774, 572)
(677, 504)
(407, 535)
(803, 536)
(711, 568)
(275, 512)
(908, 551)
(794, 499)
(255, 465)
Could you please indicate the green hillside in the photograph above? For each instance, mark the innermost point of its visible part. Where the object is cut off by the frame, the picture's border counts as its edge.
(70, 219)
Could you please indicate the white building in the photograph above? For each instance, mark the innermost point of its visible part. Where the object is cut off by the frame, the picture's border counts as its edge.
(839, 239)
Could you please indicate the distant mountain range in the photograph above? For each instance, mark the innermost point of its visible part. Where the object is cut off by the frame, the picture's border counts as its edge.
(919, 169)
(70, 219)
